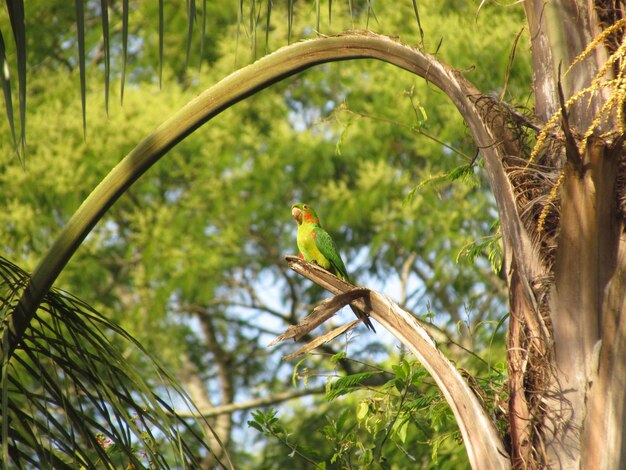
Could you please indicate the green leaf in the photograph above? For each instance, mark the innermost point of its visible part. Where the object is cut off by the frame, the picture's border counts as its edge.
(348, 384)
(203, 34)
(16, 15)
(253, 23)
(464, 173)
(335, 358)
(125, 8)
(418, 375)
(401, 430)
(294, 374)
(191, 18)
(104, 12)
(289, 20)
(492, 244)
(80, 33)
(317, 15)
(5, 80)
(342, 420)
(161, 32)
(400, 370)
(268, 18)
(406, 367)
(362, 410)
(419, 23)
(255, 425)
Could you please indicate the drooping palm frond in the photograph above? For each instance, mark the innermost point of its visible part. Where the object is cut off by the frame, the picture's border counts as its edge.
(72, 399)
(80, 36)
(125, 8)
(191, 18)
(16, 17)
(104, 12)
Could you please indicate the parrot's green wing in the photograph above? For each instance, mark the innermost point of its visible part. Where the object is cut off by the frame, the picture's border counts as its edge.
(327, 247)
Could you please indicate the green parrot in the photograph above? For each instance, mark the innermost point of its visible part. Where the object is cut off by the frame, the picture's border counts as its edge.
(316, 246)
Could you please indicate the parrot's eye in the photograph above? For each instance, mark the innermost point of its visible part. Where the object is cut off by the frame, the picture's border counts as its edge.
(305, 207)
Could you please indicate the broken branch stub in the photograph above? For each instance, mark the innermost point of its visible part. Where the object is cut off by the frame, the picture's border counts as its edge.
(326, 338)
(322, 312)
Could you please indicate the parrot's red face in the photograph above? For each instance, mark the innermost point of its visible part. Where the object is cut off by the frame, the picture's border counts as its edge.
(304, 213)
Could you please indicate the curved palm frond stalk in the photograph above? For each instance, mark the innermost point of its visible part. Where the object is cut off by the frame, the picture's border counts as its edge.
(71, 399)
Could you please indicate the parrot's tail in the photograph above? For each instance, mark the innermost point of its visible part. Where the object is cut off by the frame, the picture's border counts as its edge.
(364, 317)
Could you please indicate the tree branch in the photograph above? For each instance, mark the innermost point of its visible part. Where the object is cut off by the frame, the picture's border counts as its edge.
(254, 403)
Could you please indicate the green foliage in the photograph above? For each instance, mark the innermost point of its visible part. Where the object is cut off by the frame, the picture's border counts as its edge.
(491, 245)
(348, 384)
(71, 399)
(268, 424)
(464, 173)
(389, 428)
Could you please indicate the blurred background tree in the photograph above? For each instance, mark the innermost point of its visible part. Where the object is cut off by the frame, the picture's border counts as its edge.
(191, 260)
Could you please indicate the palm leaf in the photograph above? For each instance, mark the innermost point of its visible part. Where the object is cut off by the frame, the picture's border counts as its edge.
(351, 12)
(107, 56)
(203, 37)
(289, 20)
(330, 11)
(161, 43)
(80, 32)
(125, 8)
(419, 23)
(253, 23)
(71, 399)
(191, 17)
(239, 20)
(317, 15)
(268, 17)
(5, 81)
(16, 16)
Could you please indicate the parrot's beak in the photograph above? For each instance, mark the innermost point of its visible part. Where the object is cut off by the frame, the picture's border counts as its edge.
(296, 214)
